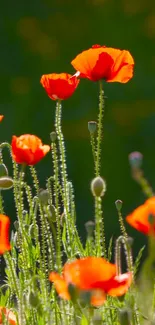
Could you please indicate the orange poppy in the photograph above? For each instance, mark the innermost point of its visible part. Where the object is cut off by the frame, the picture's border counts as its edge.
(143, 217)
(8, 315)
(59, 86)
(92, 274)
(101, 62)
(1, 117)
(28, 149)
(4, 234)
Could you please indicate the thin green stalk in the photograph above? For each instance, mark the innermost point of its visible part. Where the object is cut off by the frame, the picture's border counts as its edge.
(123, 230)
(63, 169)
(56, 192)
(92, 141)
(99, 229)
(100, 127)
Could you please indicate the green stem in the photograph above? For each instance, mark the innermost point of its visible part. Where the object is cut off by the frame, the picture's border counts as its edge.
(92, 141)
(63, 170)
(99, 229)
(99, 131)
(56, 192)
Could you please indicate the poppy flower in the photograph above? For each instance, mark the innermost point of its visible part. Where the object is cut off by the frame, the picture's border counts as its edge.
(59, 86)
(143, 217)
(92, 274)
(1, 117)
(8, 315)
(4, 234)
(28, 149)
(101, 62)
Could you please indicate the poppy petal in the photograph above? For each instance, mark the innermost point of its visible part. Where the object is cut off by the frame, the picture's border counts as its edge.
(60, 285)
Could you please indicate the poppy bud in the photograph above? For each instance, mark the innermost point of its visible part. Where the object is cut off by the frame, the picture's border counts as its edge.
(51, 213)
(135, 159)
(3, 170)
(118, 204)
(90, 225)
(53, 136)
(129, 241)
(43, 196)
(33, 299)
(97, 320)
(32, 231)
(151, 219)
(98, 186)
(85, 297)
(16, 225)
(92, 125)
(6, 183)
(124, 316)
(73, 292)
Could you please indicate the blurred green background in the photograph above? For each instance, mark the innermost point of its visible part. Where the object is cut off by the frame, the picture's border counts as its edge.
(43, 36)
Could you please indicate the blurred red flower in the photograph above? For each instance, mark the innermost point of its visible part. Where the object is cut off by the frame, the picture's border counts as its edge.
(1, 117)
(59, 86)
(8, 315)
(4, 234)
(92, 274)
(143, 217)
(28, 149)
(101, 62)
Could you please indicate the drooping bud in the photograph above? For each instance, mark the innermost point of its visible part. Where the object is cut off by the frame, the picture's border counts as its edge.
(90, 226)
(124, 316)
(6, 183)
(151, 219)
(129, 241)
(3, 170)
(85, 297)
(16, 224)
(33, 299)
(51, 213)
(43, 196)
(53, 136)
(98, 186)
(135, 159)
(92, 125)
(73, 292)
(118, 204)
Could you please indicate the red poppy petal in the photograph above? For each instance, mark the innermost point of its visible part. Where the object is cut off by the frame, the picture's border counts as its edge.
(84, 273)
(98, 298)
(9, 315)
(60, 285)
(119, 285)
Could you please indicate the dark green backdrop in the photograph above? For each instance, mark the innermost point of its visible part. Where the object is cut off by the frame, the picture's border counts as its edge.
(39, 37)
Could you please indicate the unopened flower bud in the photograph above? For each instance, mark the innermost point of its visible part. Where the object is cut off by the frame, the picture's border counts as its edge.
(6, 183)
(16, 224)
(85, 297)
(32, 231)
(129, 241)
(3, 170)
(92, 125)
(124, 316)
(98, 186)
(53, 136)
(151, 219)
(51, 213)
(33, 299)
(73, 292)
(118, 204)
(135, 159)
(43, 196)
(90, 225)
